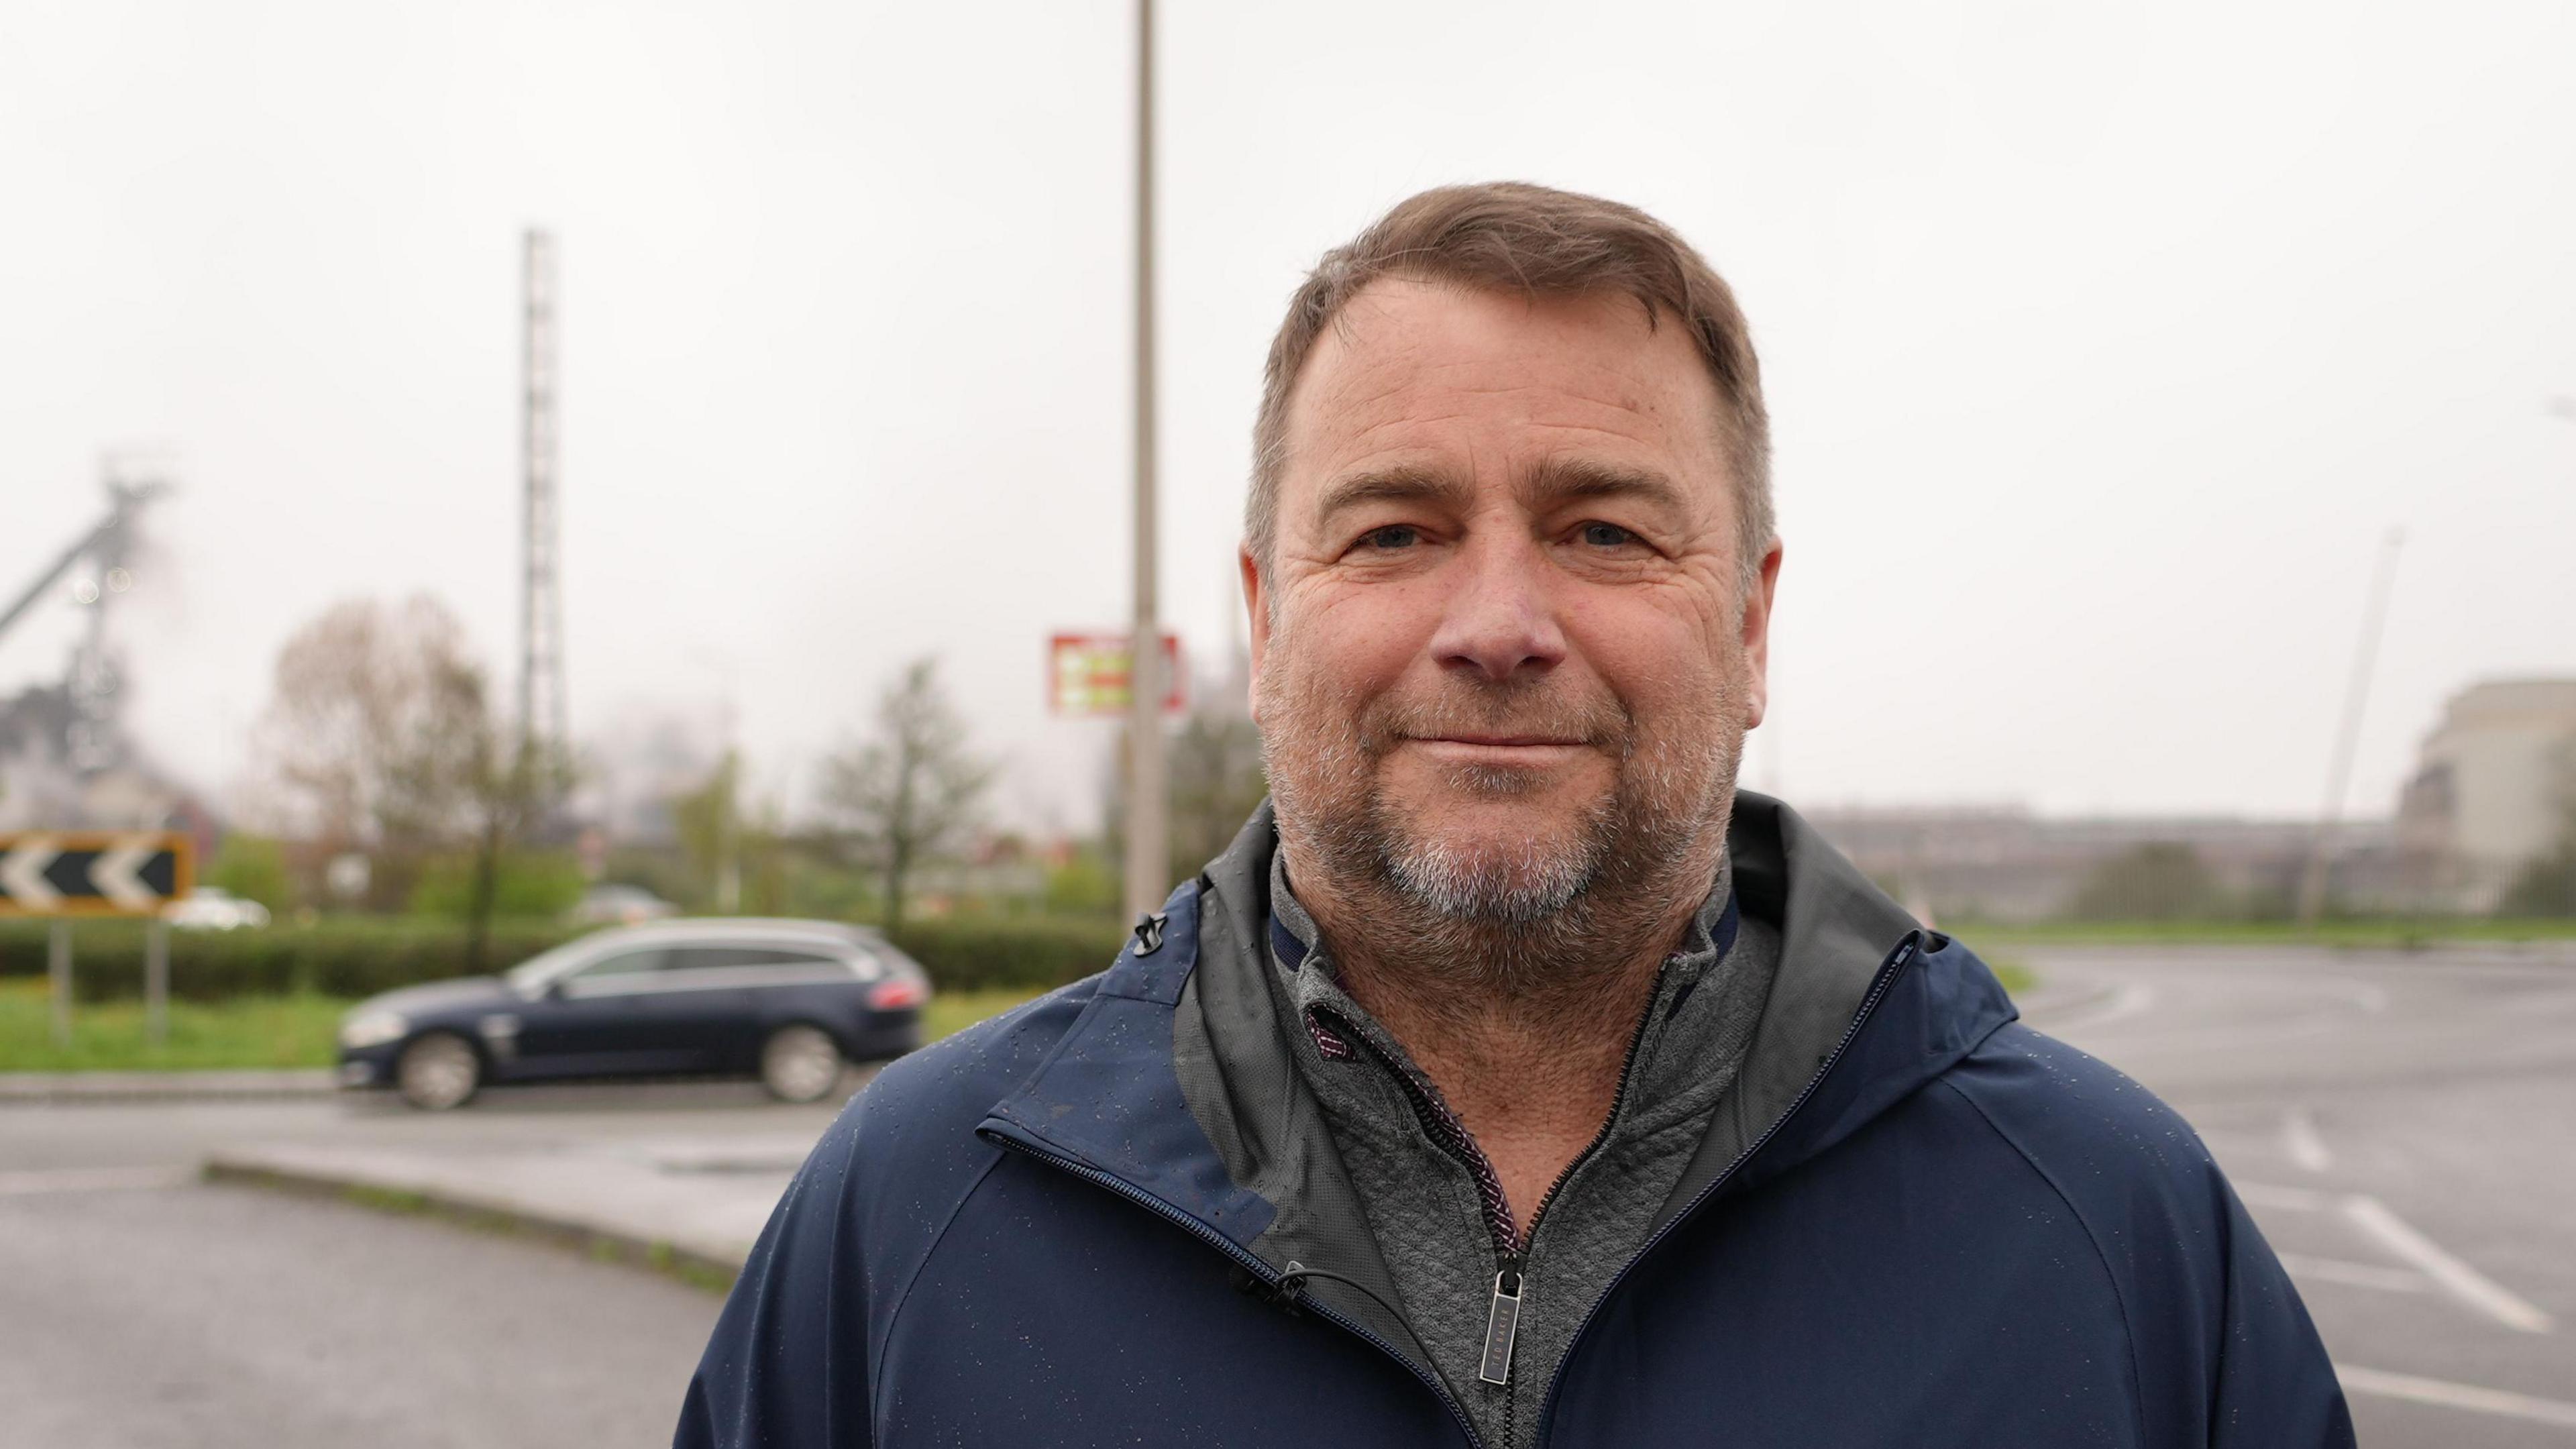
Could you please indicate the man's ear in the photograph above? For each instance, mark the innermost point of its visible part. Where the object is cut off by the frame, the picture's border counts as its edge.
(1757, 637)
(1256, 606)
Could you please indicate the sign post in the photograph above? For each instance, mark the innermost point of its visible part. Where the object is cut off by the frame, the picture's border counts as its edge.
(58, 875)
(58, 974)
(156, 982)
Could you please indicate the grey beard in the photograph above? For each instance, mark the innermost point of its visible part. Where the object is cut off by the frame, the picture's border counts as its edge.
(1527, 887)
(1546, 919)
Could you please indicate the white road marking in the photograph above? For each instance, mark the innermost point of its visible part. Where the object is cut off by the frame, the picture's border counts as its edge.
(2306, 1148)
(2132, 998)
(112, 871)
(94, 1179)
(22, 874)
(2292, 1199)
(2502, 1402)
(2357, 1275)
(2462, 1281)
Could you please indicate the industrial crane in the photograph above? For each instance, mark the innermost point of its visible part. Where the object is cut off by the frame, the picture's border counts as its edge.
(89, 739)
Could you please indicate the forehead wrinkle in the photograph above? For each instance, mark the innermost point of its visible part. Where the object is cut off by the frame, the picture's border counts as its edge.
(1557, 474)
(1645, 421)
(1373, 385)
(1409, 359)
(1368, 430)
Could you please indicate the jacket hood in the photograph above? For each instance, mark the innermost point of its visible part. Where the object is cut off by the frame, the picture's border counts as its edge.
(1176, 1086)
(1850, 958)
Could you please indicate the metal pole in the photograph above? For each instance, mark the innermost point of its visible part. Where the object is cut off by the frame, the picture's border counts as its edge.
(543, 720)
(58, 966)
(729, 838)
(156, 982)
(2312, 885)
(1147, 853)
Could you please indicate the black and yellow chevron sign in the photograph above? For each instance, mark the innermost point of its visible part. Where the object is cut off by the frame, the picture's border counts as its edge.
(92, 873)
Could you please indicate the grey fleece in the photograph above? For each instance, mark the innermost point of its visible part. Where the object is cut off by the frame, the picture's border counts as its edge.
(1424, 1206)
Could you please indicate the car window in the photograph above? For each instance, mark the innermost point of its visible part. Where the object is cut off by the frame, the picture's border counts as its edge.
(629, 963)
(771, 956)
(698, 958)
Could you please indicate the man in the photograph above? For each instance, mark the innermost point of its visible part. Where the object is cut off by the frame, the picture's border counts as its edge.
(1518, 1081)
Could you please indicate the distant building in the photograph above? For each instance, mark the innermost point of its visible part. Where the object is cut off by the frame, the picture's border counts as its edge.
(2492, 789)
(2005, 863)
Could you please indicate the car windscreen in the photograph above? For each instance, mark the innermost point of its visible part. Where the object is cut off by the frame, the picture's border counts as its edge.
(532, 974)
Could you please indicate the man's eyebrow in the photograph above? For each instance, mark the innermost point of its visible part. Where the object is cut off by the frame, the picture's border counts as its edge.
(1567, 480)
(1399, 484)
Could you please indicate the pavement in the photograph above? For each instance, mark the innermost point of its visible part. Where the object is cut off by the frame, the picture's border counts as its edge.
(144, 1305)
(152, 1312)
(696, 1201)
(2402, 1126)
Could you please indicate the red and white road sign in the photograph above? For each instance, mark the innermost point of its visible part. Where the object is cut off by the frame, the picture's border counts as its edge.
(1092, 675)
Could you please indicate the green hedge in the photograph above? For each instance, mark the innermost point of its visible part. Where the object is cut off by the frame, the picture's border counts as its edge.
(1034, 953)
(357, 957)
(335, 958)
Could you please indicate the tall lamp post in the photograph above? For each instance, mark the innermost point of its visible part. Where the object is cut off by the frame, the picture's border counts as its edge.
(1147, 854)
(2313, 881)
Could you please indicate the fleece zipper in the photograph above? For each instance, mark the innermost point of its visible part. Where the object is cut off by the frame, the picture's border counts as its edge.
(1274, 1280)
(1888, 971)
(1511, 1241)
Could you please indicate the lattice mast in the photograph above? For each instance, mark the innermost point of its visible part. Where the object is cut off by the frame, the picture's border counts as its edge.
(544, 724)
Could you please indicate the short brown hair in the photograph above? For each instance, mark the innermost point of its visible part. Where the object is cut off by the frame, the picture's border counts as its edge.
(1511, 236)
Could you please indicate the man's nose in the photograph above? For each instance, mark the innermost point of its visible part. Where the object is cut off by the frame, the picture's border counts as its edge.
(1499, 620)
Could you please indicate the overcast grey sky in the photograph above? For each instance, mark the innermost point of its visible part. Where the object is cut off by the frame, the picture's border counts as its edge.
(2103, 344)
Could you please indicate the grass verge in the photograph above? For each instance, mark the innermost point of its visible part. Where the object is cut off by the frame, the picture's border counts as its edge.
(954, 1011)
(2397, 935)
(251, 1032)
(2017, 978)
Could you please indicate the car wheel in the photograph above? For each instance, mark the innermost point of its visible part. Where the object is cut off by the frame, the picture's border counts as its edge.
(438, 1072)
(800, 1063)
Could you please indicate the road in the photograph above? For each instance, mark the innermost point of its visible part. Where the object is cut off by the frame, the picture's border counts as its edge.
(143, 1310)
(2403, 1127)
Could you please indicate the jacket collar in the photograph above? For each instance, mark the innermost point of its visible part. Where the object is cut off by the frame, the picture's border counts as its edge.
(1107, 1098)
(1861, 988)
(1174, 1081)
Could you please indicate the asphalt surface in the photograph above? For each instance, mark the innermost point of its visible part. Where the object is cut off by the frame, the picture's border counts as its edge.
(2402, 1126)
(231, 1316)
(141, 1309)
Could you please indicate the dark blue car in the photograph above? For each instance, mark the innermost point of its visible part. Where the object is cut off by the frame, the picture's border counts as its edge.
(791, 1002)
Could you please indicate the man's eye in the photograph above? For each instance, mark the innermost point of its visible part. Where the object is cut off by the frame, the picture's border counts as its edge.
(1607, 535)
(1394, 535)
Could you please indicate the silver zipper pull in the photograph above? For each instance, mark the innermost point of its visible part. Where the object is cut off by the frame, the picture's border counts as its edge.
(1502, 1324)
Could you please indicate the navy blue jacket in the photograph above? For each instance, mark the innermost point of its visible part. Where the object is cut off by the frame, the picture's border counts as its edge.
(1942, 1228)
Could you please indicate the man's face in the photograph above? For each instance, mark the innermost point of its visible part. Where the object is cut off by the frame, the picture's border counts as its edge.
(1502, 653)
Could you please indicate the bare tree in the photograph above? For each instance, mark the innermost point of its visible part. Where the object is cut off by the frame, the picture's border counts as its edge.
(1217, 782)
(382, 730)
(378, 726)
(911, 790)
(708, 821)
